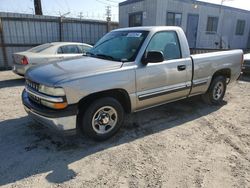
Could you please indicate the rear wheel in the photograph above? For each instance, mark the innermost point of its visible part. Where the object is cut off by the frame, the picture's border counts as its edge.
(216, 91)
(102, 119)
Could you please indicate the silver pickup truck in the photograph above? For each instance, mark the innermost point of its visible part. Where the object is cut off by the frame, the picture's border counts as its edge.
(128, 70)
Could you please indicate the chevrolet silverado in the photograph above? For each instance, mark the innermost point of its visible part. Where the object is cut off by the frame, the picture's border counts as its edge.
(128, 70)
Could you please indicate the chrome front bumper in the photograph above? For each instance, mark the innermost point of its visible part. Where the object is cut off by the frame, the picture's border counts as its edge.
(60, 123)
(64, 121)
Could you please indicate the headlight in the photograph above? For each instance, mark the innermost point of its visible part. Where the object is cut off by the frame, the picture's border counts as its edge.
(51, 90)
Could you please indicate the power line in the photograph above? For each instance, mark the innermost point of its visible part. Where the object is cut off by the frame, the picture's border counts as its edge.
(108, 11)
(80, 15)
(60, 7)
(112, 1)
(66, 2)
(106, 3)
(63, 8)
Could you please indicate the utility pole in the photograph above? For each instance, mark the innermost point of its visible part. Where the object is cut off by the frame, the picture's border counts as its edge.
(62, 16)
(2, 44)
(80, 15)
(108, 14)
(38, 7)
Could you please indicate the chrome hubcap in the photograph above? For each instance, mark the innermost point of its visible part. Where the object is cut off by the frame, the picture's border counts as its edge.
(104, 120)
(218, 90)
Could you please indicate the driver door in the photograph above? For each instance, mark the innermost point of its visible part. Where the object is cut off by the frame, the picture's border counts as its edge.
(165, 81)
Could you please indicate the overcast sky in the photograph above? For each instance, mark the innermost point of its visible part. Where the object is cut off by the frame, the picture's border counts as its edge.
(242, 4)
(94, 9)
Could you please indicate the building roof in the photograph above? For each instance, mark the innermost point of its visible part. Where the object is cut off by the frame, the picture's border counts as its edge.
(196, 2)
(129, 2)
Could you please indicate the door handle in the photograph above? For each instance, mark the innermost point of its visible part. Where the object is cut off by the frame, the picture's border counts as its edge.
(181, 67)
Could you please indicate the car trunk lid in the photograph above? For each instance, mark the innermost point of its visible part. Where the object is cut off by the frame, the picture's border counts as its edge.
(18, 57)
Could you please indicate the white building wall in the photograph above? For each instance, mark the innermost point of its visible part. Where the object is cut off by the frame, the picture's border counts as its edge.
(148, 7)
(155, 12)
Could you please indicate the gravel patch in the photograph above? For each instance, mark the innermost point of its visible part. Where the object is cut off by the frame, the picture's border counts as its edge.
(182, 144)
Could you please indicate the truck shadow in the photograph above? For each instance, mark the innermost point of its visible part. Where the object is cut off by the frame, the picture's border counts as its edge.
(12, 83)
(27, 149)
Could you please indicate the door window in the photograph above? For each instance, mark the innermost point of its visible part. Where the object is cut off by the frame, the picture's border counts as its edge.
(166, 42)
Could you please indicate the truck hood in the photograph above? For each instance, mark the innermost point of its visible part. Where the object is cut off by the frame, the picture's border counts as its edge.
(54, 73)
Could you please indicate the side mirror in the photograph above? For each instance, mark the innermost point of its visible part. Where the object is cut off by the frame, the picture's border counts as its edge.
(152, 57)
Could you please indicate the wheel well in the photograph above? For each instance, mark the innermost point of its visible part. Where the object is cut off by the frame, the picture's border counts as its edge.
(223, 72)
(119, 94)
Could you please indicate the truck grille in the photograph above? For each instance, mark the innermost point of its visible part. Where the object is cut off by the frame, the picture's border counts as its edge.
(32, 85)
(34, 98)
(35, 87)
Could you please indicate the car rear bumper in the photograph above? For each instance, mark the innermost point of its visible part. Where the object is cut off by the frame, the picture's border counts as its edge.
(63, 120)
(246, 68)
(20, 69)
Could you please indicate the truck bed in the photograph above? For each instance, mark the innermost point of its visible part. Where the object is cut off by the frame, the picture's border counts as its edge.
(205, 65)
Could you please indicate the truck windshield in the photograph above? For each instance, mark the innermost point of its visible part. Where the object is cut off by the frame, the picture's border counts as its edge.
(119, 45)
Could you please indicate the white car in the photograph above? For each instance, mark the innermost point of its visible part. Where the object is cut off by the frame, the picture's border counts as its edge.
(47, 53)
(246, 64)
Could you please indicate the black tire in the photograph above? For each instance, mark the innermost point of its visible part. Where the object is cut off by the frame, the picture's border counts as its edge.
(214, 95)
(94, 130)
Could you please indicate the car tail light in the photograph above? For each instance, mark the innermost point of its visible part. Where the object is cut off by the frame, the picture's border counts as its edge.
(24, 61)
(242, 59)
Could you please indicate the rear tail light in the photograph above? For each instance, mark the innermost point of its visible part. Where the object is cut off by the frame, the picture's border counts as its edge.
(242, 58)
(24, 61)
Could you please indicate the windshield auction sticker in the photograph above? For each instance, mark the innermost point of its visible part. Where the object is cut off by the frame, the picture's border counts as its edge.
(134, 34)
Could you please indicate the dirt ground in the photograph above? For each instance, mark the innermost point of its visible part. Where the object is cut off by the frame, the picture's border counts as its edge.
(182, 144)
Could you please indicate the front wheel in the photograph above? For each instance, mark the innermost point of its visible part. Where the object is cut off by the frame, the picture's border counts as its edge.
(102, 119)
(216, 91)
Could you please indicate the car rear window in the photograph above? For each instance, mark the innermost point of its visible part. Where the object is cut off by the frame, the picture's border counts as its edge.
(83, 48)
(69, 49)
(40, 48)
